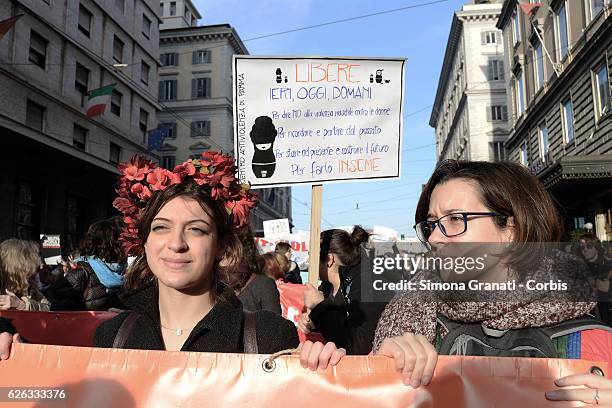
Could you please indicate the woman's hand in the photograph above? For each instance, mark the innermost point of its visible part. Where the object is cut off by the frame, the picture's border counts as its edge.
(10, 301)
(312, 296)
(304, 324)
(318, 355)
(414, 357)
(596, 390)
(6, 339)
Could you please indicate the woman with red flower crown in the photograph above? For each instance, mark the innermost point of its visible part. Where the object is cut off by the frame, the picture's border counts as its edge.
(180, 224)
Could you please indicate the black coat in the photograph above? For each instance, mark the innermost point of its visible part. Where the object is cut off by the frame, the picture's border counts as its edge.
(81, 289)
(261, 294)
(344, 318)
(220, 331)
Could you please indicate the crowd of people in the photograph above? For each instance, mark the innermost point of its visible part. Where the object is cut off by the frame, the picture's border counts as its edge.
(198, 283)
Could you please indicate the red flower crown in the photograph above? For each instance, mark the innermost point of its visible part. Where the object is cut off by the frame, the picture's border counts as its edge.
(141, 178)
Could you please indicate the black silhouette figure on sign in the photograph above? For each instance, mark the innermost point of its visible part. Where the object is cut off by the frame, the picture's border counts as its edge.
(279, 77)
(371, 78)
(263, 133)
(286, 80)
(379, 77)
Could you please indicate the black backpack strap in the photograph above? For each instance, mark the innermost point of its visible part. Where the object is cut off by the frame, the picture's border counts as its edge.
(124, 330)
(587, 322)
(250, 333)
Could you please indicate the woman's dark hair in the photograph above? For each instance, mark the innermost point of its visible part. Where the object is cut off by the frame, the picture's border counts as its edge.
(344, 245)
(102, 241)
(508, 189)
(237, 275)
(139, 272)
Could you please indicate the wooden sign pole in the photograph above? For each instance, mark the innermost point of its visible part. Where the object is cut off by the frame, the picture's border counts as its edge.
(315, 234)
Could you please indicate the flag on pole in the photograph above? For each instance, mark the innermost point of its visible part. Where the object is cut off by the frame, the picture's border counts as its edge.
(98, 99)
(157, 136)
(6, 25)
(530, 8)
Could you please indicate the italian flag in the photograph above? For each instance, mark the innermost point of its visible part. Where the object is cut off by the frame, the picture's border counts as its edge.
(98, 99)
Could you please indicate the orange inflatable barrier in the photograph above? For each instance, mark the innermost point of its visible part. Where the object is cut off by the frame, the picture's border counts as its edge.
(88, 377)
(61, 328)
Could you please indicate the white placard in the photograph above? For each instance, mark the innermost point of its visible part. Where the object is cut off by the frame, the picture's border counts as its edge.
(275, 228)
(304, 120)
(50, 241)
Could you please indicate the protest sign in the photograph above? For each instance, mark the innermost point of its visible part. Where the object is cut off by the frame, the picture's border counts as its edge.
(275, 228)
(317, 120)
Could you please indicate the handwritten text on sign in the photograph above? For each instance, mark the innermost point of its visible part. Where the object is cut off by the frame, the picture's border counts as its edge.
(311, 121)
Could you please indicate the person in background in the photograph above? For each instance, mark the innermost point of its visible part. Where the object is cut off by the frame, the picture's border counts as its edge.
(20, 263)
(590, 248)
(273, 265)
(293, 275)
(95, 281)
(337, 309)
(497, 203)
(255, 290)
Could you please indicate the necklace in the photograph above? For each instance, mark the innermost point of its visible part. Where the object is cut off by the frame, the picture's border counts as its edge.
(178, 332)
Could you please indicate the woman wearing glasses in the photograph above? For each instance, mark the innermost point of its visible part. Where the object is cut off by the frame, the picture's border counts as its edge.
(496, 204)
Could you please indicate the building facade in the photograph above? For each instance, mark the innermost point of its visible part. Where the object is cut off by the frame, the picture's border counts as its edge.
(60, 170)
(559, 59)
(195, 90)
(470, 111)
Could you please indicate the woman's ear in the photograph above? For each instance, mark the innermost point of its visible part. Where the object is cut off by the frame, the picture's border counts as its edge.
(330, 260)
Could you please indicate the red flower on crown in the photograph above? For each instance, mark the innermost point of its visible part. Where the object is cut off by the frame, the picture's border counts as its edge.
(141, 178)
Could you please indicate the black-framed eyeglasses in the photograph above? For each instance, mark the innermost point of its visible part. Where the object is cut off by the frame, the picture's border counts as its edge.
(451, 225)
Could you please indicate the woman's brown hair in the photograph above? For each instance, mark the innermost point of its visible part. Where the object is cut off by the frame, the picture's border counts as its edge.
(508, 189)
(19, 261)
(139, 272)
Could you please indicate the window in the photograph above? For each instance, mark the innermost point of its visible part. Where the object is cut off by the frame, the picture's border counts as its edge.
(516, 28)
(167, 90)
(489, 37)
(145, 69)
(200, 57)
(161, 8)
(579, 222)
(120, 4)
(519, 93)
(538, 66)
(524, 154)
(562, 33)
(497, 151)
(146, 26)
(200, 128)
(498, 113)
(142, 124)
(496, 70)
(168, 162)
(114, 156)
(169, 59)
(28, 206)
(85, 17)
(602, 91)
(117, 49)
(173, 8)
(593, 8)
(171, 129)
(79, 137)
(568, 121)
(35, 115)
(116, 102)
(543, 141)
(38, 49)
(200, 88)
(81, 82)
